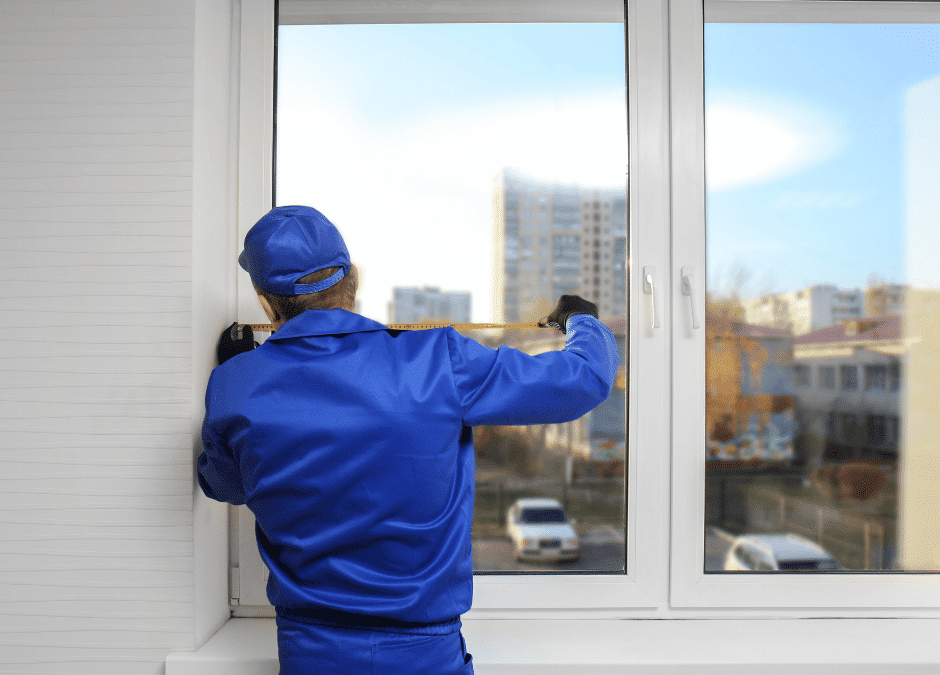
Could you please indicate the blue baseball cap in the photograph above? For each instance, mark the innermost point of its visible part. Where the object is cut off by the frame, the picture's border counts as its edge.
(290, 242)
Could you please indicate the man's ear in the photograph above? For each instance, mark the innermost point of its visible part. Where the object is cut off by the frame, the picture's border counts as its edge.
(266, 306)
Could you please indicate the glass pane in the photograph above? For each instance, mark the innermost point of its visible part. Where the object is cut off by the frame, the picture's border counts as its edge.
(477, 172)
(822, 215)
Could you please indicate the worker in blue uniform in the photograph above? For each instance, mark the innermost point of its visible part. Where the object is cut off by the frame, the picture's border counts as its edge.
(351, 443)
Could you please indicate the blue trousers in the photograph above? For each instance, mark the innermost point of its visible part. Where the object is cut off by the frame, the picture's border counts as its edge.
(308, 647)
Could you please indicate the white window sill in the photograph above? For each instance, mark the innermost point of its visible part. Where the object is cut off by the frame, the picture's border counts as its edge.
(647, 647)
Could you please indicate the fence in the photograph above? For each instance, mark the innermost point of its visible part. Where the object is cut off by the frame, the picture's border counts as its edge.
(858, 543)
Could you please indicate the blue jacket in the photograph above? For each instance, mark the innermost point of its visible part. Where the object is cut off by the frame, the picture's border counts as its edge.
(351, 444)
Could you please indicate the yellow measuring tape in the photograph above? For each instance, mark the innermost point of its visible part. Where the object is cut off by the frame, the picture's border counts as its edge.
(268, 328)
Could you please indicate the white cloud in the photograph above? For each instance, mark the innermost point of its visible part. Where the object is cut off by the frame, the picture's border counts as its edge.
(415, 205)
(788, 201)
(752, 139)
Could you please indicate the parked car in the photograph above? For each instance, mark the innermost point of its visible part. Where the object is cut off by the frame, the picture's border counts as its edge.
(541, 530)
(778, 553)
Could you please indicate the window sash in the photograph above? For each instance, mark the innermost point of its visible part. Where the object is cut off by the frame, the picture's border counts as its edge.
(665, 470)
(639, 586)
(855, 594)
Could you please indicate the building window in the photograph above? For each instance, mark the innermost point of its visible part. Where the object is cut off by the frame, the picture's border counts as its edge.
(876, 378)
(801, 375)
(882, 431)
(848, 378)
(827, 377)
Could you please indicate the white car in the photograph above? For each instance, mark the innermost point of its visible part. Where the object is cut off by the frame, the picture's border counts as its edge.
(778, 553)
(541, 530)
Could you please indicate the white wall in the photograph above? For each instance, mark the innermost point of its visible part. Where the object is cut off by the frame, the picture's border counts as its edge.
(98, 413)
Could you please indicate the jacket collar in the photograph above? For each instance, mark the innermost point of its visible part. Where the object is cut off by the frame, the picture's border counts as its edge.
(325, 322)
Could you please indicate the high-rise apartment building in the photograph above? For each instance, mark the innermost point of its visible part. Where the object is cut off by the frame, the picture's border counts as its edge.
(414, 305)
(552, 239)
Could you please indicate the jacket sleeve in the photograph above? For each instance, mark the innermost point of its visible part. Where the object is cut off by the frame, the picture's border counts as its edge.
(217, 471)
(507, 386)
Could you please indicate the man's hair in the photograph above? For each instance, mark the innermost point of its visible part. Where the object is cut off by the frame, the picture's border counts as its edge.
(342, 294)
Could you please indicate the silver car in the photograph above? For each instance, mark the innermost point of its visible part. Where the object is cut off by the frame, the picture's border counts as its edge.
(541, 530)
(778, 553)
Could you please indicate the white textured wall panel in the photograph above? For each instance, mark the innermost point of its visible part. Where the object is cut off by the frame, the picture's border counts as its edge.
(96, 543)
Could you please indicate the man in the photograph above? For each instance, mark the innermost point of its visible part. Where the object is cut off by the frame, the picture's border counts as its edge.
(351, 443)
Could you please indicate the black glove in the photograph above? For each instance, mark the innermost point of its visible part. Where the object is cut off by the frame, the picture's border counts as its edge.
(230, 345)
(568, 305)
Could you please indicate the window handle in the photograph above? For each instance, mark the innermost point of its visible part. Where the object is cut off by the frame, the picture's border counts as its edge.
(688, 287)
(649, 288)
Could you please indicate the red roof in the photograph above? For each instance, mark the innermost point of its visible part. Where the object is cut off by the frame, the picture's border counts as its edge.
(876, 329)
(720, 324)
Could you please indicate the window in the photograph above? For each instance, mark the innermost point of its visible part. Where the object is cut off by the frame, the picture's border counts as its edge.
(785, 147)
(666, 233)
(882, 431)
(848, 378)
(801, 375)
(582, 463)
(876, 378)
(894, 377)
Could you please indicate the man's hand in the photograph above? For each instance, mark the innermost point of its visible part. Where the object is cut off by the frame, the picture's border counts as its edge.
(230, 345)
(568, 305)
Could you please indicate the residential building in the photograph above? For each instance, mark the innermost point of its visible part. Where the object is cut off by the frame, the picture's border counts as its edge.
(413, 305)
(848, 383)
(823, 305)
(553, 238)
(885, 299)
(806, 310)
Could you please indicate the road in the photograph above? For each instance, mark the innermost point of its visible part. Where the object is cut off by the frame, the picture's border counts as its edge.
(602, 550)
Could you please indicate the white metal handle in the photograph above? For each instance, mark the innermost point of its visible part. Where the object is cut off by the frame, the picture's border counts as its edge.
(649, 272)
(688, 286)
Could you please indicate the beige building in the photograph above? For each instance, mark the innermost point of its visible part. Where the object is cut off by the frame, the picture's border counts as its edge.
(551, 239)
(849, 386)
(806, 310)
(885, 299)
(920, 461)
(822, 305)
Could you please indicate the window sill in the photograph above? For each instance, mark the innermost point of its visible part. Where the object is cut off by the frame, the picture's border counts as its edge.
(648, 647)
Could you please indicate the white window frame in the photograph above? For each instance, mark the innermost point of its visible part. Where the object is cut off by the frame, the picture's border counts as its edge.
(850, 594)
(642, 584)
(666, 465)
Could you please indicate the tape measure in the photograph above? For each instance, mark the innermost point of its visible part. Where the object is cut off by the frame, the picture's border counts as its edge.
(269, 328)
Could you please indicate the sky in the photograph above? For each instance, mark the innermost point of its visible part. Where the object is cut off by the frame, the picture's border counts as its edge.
(805, 165)
(397, 132)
